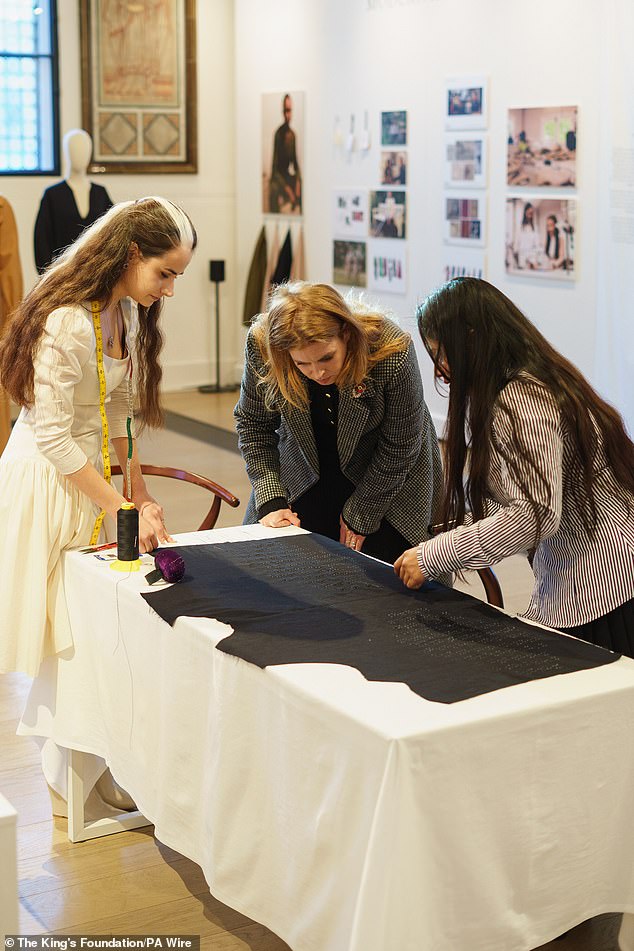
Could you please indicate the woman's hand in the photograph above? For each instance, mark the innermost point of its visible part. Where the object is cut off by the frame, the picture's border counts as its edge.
(408, 569)
(152, 531)
(349, 538)
(281, 519)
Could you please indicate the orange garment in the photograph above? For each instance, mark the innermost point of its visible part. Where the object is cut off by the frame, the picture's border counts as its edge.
(10, 294)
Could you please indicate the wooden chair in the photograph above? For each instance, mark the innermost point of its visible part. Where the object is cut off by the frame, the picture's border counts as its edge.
(219, 492)
(491, 586)
(488, 578)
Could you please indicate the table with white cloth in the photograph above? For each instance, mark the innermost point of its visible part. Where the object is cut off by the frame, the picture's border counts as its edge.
(343, 814)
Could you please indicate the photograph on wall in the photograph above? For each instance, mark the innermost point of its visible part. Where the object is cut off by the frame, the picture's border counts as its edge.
(464, 218)
(387, 214)
(349, 263)
(387, 267)
(466, 103)
(350, 213)
(138, 85)
(282, 152)
(541, 235)
(465, 160)
(463, 262)
(394, 128)
(393, 168)
(542, 147)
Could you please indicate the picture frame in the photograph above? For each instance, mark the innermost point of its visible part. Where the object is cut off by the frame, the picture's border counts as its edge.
(387, 266)
(138, 86)
(349, 263)
(394, 128)
(388, 214)
(464, 218)
(282, 155)
(464, 262)
(466, 159)
(541, 237)
(466, 103)
(350, 213)
(542, 147)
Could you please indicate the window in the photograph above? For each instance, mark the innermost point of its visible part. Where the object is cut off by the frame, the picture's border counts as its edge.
(29, 140)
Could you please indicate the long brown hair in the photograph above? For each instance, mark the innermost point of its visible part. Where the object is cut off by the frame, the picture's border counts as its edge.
(487, 342)
(300, 314)
(89, 270)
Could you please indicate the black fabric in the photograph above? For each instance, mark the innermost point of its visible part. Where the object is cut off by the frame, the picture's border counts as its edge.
(282, 272)
(615, 630)
(255, 280)
(307, 599)
(59, 223)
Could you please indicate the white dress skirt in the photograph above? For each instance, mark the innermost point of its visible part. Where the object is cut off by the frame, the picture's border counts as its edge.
(41, 512)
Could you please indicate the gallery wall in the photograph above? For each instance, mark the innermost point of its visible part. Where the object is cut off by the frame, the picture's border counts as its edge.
(377, 55)
(208, 196)
(359, 56)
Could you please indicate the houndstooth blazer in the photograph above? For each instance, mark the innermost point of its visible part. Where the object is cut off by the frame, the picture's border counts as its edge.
(387, 445)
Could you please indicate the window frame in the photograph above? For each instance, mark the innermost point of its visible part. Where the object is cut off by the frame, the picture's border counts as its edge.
(55, 169)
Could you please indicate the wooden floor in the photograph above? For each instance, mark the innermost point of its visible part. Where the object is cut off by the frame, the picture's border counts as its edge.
(129, 883)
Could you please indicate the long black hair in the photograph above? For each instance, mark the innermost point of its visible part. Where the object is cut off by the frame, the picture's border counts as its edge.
(486, 342)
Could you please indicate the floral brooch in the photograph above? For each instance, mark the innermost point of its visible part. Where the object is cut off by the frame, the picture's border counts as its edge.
(358, 391)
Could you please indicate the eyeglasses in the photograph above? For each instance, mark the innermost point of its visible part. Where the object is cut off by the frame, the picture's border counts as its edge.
(441, 367)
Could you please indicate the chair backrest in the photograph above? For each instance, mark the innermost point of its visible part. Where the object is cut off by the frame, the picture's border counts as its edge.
(219, 492)
(488, 578)
(491, 586)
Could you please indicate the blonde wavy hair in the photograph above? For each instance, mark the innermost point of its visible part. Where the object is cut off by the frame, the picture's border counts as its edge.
(300, 314)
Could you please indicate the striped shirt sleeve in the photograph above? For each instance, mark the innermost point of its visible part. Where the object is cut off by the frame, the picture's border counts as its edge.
(512, 528)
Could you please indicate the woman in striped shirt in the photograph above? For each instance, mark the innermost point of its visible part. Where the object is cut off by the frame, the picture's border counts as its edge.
(549, 467)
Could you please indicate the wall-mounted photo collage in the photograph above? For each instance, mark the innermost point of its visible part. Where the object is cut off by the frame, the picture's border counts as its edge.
(541, 206)
(465, 174)
(370, 228)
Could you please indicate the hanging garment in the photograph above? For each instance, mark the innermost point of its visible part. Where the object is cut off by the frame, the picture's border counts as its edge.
(59, 222)
(270, 267)
(10, 294)
(282, 271)
(298, 267)
(255, 280)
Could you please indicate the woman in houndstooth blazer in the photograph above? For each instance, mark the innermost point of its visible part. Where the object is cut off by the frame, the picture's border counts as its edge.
(333, 425)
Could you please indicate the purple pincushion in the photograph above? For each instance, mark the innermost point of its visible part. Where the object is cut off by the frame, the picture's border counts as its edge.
(169, 566)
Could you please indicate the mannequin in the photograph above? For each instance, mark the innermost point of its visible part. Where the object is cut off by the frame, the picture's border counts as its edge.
(10, 294)
(71, 205)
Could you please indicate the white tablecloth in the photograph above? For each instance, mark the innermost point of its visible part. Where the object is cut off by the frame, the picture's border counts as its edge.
(347, 815)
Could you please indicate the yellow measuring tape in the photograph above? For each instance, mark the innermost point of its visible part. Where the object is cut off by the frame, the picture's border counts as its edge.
(105, 440)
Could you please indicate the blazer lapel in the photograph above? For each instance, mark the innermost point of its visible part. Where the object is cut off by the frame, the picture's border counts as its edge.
(354, 409)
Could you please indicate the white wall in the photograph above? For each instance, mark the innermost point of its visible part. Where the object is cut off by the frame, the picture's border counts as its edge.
(208, 197)
(353, 55)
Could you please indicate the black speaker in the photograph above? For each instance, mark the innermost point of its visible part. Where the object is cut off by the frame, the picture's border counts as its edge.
(217, 271)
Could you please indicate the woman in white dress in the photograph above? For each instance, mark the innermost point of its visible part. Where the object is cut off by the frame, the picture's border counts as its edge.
(109, 284)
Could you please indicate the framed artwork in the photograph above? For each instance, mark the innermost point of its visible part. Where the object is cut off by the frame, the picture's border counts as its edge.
(463, 262)
(350, 213)
(387, 266)
(282, 152)
(542, 147)
(541, 237)
(466, 103)
(465, 160)
(464, 216)
(138, 77)
(393, 168)
(394, 128)
(388, 214)
(349, 263)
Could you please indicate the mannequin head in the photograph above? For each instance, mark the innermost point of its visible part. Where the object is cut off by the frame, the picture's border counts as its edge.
(77, 146)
